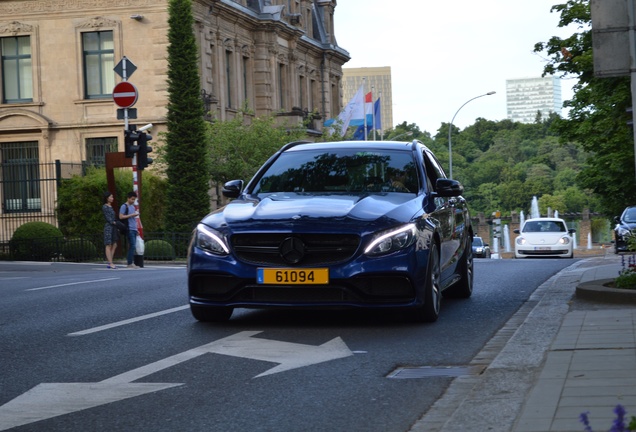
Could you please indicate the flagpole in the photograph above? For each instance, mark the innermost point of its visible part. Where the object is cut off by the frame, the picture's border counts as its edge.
(364, 110)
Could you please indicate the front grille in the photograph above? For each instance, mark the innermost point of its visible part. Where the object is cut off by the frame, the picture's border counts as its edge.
(544, 252)
(318, 249)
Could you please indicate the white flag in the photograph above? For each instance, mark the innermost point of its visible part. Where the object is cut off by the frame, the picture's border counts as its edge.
(353, 110)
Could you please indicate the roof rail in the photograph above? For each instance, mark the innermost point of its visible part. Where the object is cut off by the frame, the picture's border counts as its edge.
(294, 143)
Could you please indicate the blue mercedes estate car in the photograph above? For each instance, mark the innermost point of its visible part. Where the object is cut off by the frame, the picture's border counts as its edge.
(335, 225)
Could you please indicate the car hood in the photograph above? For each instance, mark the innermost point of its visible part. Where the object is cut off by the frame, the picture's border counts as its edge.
(294, 209)
(628, 225)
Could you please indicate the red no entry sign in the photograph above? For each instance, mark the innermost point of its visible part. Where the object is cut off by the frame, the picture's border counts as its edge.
(125, 94)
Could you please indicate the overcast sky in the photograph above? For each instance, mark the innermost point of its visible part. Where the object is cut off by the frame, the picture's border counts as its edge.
(443, 53)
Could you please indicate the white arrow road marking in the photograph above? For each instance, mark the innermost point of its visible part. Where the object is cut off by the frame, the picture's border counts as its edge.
(46, 401)
(54, 399)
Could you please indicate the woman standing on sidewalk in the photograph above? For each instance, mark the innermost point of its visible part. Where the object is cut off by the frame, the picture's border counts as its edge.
(111, 234)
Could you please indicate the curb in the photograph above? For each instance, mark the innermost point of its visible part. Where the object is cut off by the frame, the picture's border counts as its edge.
(597, 291)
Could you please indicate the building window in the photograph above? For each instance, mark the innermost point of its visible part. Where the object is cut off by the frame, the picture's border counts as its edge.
(301, 91)
(19, 171)
(17, 69)
(96, 149)
(245, 80)
(282, 90)
(228, 77)
(99, 62)
(312, 93)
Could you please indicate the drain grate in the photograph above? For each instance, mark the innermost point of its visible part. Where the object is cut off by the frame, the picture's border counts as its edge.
(435, 371)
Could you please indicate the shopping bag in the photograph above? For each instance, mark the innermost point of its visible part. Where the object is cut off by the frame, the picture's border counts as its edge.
(139, 246)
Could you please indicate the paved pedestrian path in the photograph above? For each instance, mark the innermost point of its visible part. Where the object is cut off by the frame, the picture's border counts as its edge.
(555, 359)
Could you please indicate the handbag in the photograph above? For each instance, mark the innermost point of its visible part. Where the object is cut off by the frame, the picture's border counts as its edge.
(122, 227)
(140, 246)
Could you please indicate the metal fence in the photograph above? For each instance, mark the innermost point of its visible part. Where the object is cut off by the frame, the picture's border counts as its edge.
(28, 193)
(158, 247)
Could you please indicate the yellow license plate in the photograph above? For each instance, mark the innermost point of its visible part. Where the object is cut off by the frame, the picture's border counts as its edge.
(287, 276)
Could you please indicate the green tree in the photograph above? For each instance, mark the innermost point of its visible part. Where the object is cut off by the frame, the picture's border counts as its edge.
(555, 202)
(239, 147)
(80, 200)
(186, 150)
(597, 117)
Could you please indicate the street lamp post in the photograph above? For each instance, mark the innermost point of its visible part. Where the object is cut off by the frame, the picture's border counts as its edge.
(450, 131)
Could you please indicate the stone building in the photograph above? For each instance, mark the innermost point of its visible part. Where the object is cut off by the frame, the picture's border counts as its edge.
(275, 57)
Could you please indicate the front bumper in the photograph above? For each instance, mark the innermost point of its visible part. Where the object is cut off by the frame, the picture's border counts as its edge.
(391, 280)
(543, 251)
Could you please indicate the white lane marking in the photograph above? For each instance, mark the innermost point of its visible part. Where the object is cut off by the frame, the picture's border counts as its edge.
(71, 283)
(48, 400)
(128, 321)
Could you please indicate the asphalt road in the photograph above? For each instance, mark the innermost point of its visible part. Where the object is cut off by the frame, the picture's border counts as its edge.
(86, 348)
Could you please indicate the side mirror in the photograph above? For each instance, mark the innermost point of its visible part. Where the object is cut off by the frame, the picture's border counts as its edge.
(571, 231)
(448, 188)
(232, 189)
(516, 231)
(617, 219)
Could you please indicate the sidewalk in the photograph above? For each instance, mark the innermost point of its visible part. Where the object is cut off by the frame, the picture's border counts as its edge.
(558, 357)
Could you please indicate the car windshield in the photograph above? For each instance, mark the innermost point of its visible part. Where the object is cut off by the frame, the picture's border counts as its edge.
(544, 226)
(630, 215)
(340, 170)
(477, 242)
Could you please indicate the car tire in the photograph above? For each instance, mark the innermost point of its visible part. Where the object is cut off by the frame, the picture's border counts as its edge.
(211, 313)
(429, 311)
(463, 288)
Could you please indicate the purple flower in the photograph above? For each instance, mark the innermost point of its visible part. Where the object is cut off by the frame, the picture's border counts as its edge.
(619, 423)
(586, 421)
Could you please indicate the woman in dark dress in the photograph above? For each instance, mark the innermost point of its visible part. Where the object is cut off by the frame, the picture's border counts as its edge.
(111, 234)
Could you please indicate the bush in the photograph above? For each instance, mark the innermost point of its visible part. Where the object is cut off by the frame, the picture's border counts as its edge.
(159, 250)
(78, 250)
(37, 241)
(80, 200)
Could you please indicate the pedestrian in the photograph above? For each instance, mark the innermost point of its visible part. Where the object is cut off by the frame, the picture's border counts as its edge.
(129, 213)
(111, 233)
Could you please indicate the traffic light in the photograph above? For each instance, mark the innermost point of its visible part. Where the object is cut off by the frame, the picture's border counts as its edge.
(131, 136)
(142, 156)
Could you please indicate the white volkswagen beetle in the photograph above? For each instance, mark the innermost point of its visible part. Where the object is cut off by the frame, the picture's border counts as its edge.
(546, 237)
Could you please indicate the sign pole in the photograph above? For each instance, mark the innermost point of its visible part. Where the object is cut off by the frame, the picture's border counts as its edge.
(125, 96)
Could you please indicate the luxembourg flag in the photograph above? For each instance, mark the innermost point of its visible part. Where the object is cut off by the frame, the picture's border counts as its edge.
(366, 117)
(373, 118)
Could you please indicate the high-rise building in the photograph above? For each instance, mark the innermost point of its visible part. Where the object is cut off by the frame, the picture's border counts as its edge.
(525, 97)
(376, 80)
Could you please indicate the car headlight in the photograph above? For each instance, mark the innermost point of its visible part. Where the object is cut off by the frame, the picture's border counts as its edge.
(521, 241)
(623, 232)
(564, 240)
(210, 240)
(391, 241)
